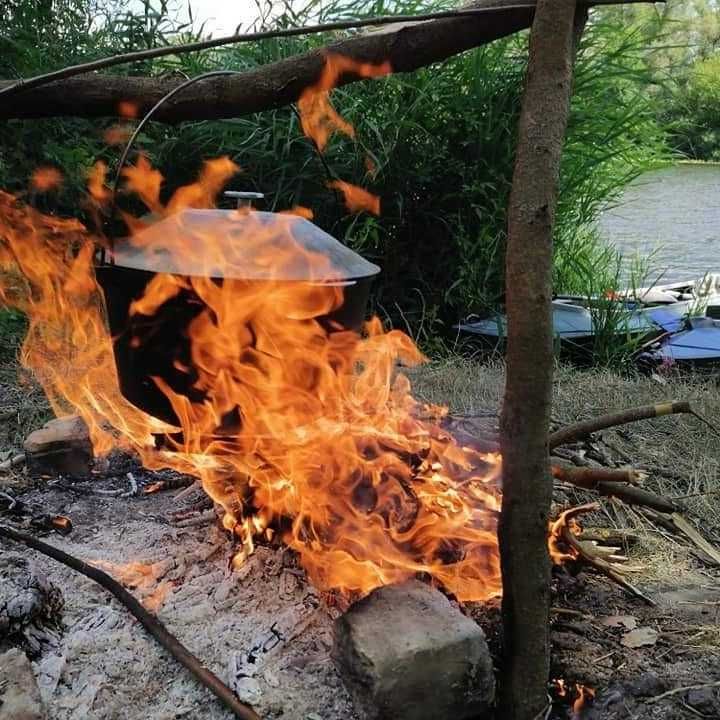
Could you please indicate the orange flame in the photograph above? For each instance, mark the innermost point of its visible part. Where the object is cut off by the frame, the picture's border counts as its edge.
(560, 552)
(318, 117)
(584, 694)
(142, 577)
(301, 429)
(300, 211)
(356, 198)
(128, 109)
(46, 178)
(117, 134)
(96, 183)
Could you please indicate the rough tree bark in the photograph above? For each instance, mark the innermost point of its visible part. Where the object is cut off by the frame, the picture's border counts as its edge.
(527, 487)
(408, 47)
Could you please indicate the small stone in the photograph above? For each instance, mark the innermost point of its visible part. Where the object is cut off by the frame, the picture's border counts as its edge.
(647, 685)
(19, 693)
(61, 447)
(704, 700)
(248, 690)
(405, 653)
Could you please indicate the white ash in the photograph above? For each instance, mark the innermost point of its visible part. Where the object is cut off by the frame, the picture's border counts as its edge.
(262, 624)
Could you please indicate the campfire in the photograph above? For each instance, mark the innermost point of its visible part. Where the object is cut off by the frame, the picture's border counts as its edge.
(293, 422)
(231, 345)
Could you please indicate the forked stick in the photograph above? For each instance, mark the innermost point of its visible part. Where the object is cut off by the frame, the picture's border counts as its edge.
(149, 621)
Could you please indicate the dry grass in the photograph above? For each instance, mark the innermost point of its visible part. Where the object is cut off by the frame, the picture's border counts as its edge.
(681, 455)
(23, 406)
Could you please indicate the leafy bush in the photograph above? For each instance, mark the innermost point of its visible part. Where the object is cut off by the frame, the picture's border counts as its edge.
(441, 141)
(693, 110)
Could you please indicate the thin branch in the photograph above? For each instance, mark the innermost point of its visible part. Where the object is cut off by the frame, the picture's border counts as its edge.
(589, 477)
(135, 56)
(597, 562)
(679, 690)
(149, 621)
(645, 412)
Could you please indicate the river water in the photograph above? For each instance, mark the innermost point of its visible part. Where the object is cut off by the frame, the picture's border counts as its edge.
(670, 217)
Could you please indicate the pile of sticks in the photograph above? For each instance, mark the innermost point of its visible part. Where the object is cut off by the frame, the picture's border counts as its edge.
(623, 484)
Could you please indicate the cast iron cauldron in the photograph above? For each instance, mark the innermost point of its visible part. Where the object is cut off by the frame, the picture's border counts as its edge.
(154, 346)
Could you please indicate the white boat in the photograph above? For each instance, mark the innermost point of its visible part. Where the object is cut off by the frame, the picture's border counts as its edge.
(703, 294)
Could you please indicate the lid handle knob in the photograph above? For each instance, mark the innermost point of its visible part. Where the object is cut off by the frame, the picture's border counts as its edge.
(244, 199)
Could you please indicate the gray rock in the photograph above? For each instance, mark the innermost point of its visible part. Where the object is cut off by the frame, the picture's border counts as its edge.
(19, 694)
(61, 446)
(405, 653)
(704, 700)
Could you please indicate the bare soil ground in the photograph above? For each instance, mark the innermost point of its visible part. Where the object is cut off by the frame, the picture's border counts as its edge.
(268, 633)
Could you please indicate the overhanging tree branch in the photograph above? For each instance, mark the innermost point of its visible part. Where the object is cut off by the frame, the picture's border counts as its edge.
(407, 45)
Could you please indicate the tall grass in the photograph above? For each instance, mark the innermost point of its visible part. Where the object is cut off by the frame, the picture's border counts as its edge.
(441, 140)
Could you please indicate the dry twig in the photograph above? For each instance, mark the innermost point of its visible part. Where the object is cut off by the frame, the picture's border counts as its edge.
(679, 690)
(583, 549)
(590, 477)
(603, 422)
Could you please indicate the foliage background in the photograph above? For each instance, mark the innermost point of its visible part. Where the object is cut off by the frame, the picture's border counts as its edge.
(441, 139)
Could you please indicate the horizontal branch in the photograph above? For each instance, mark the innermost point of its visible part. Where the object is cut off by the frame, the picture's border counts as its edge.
(407, 46)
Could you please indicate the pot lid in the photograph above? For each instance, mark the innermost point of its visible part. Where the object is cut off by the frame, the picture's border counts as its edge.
(242, 244)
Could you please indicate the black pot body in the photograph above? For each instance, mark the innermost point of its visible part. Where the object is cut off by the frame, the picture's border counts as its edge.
(163, 340)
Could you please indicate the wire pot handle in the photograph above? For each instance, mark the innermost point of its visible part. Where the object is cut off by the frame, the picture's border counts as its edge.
(148, 116)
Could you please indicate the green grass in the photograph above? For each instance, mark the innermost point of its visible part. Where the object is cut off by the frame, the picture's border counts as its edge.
(12, 330)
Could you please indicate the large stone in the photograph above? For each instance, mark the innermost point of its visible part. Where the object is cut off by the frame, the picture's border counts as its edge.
(405, 653)
(19, 693)
(62, 446)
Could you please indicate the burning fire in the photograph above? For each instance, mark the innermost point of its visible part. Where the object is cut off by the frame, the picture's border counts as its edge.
(581, 696)
(300, 429)
(46, 178)
(357, 199)
(143, 577)
(560, 552)
(319, 118)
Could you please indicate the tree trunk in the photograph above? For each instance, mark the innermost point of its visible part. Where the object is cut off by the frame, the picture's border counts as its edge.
(527, 487)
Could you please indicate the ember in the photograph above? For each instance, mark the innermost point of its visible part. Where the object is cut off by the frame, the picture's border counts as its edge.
(578, 697)
(46, 178)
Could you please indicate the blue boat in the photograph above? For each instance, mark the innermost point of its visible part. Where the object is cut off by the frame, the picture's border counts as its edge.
(698, 345)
